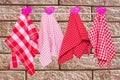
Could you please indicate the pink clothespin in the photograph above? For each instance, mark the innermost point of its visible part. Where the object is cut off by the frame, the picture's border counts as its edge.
(101, 10)
(27, 10)
(75, 10)
(49, 10)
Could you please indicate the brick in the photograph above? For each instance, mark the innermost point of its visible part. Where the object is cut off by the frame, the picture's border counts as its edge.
(42, 1)
(89, 62)
(1, 43)
(91, 2)
(63, 26)
(87, 25)
(82, 2)
(114, 28)
(6, 27)
(8, 16)
(116, 42)
(5, 60)
(3, 47)
(112, 3)
(61, 75)
(30, 2)
(105, 75)
(2, 1)
(12, 75)
(85, 62)
(40, 9)
(112, 13)
(14, 1)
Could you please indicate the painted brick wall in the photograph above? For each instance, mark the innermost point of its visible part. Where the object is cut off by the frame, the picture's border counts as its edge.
(77, 69)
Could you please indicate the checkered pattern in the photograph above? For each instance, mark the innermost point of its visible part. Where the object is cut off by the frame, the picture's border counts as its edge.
(23, 43)
(50, 39)
(14, 62)
(76, 41)
(101, 41)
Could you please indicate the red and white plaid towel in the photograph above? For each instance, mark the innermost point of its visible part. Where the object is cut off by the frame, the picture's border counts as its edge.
(23, 43)
(76, 41)
(101, 41)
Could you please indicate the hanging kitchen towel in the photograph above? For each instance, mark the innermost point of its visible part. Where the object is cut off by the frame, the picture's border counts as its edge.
(101, 40)
(76, 41)
(50, 39)
(23, 43)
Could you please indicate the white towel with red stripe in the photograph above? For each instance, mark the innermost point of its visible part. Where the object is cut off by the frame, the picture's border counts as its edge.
(50, 39)
(23, 43)
(101, 41)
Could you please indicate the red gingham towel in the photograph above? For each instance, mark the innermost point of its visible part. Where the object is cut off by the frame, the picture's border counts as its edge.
(76, 41)
(23, 43)
(101, 41)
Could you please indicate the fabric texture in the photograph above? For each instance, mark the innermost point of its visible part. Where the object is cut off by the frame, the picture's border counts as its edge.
(50, 39)
(101, 41)
(76, 41)
(23, 43)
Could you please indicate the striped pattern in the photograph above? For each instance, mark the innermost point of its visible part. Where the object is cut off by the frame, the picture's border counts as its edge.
(23, 43)
(76, 41)
(101, 41)
(50, 39)
(14, 62)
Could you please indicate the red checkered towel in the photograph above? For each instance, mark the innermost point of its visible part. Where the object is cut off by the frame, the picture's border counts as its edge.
(76, 41)
(23, 43)
(101, 41)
